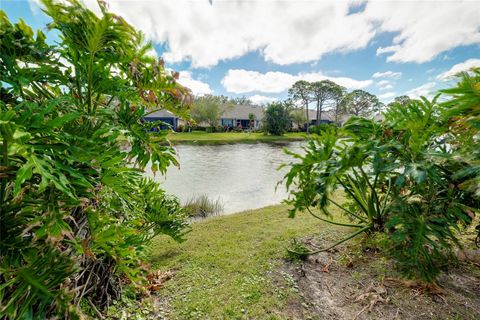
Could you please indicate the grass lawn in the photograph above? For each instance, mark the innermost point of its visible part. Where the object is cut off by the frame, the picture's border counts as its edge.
(233, 267)
(229, 265)
(202, 137)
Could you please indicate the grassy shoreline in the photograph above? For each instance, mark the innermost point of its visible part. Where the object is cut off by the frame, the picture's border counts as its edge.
(229, 265)
(202, 137)
(234, 267)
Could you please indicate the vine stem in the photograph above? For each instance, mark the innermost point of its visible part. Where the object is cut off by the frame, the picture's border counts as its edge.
(4, 179)
(334, 222)
(353, 235)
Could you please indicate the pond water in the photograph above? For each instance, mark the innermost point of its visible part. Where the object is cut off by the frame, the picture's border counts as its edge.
(241, 176)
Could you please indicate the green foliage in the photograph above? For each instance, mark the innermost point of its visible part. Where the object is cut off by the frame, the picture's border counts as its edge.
(403, 100)
(298, 251)
(243, 100)
(76, 212)
(360, 103)
(207, 109)
(463, 114)
(298, 117)
(326, 92)
(277, 118)
(406, 177)
(322, 127)
(301, 92)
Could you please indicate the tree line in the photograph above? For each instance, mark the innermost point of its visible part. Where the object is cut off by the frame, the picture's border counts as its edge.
(328, 95)
(323, 96)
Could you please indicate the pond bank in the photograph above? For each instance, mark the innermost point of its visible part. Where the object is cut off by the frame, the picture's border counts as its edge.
(204, 138)
(234, 267)
(226, 264)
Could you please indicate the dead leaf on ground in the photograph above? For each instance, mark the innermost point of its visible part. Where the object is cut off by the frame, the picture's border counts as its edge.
(374, 294)
(157, 279)
(419, 287)
(327, 266)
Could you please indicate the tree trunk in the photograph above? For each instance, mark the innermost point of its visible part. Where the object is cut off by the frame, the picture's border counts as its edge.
(337, 112)
(308, 120)
(319, 116)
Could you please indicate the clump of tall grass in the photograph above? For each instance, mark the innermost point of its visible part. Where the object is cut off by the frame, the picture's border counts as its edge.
(201, 206)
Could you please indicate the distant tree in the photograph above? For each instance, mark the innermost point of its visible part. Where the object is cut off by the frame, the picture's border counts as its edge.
(298, 117)
(360, 103)
(336, 106)
(301, 92)
(238, 100)
(223, 99)
(403, 100)
(241, 100)
(277, 118)
(207, 109)
(323, 92)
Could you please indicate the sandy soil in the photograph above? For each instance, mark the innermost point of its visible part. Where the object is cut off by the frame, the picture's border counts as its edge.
(335, 285)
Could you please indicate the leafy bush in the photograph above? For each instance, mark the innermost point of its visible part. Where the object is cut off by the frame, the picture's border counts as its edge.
(76, 212)
(197, 128)
(406, 177)
(202, 206)
(277, 118)
(321, 127)
(208, 110)
(181, 128)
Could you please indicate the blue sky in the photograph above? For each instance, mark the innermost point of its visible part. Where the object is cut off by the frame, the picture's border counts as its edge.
(259, 48)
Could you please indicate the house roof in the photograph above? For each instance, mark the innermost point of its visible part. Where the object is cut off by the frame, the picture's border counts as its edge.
(326, 115)
(161, 114)
(241, 111)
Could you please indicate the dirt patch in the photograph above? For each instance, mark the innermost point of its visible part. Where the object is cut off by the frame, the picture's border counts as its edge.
(337, 285)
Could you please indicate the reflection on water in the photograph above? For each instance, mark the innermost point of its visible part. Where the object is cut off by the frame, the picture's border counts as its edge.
(242, 176)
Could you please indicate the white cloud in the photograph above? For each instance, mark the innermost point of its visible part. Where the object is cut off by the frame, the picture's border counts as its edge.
(259, 99)
(387, 96)
(288, 31)
(386, 87)
(464, 66)
(387, 74)
(385, 84)
(383, 50)
(284, 32)
(244, 81)
(425, 90)
(425, 28)
(198, 87)
(35, 6)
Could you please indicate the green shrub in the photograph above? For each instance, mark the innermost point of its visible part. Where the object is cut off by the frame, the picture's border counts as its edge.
(298, 251)
(202, 206)
(408, 177)
(198, 128)
(76, 212)
(277, 118)
(317, 129)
